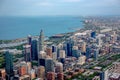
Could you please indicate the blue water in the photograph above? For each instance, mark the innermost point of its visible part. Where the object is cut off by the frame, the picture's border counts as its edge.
(18, 27)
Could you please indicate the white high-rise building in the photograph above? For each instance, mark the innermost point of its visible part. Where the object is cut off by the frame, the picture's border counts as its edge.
(54, 56)
(81, 60)
(42, 55)
(62, 54)
(59, 67)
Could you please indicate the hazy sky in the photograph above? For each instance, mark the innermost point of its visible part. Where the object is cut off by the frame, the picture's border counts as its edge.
(59, 7)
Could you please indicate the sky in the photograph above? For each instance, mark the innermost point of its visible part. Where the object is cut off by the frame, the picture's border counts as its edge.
(59, 7)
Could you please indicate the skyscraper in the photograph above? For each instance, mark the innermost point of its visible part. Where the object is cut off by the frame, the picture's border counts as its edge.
(49, 51)
(49, 65)
(60, 76)
(83, 49)
(23, 69)
(27, 52)
(29, 39)
(41, 56)
(59, 67)
(96, 52)
(54, 48)
(88, 52)
(9, 64)
(93, 34)
(34, 50)
(54, 56)
(41, 41)
(62, 54)
(69, 48)
(41, 72)
(75, 52)
(2, 74)
(50, 76)
(99, 42)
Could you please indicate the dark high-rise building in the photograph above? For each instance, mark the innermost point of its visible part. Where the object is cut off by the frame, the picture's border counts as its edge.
(102, 76)
(93, 34)
(96, 52)
(42, 62)
(69, 49)
(41, 41)
(27, 52)
(34, 50)
(8, 64)
(88, 52)
(29, 39)
(62, 60)
(54, 48)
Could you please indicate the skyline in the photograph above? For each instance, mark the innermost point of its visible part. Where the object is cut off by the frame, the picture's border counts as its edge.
(61, 7)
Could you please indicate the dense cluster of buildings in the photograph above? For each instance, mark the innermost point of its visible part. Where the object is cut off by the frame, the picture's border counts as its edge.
(63, 61)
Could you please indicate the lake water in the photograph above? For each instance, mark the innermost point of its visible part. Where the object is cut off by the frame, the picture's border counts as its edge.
(18, 27)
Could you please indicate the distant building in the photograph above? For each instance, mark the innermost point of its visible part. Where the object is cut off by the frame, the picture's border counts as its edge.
(25, 77)
(49, 51)
(93, 34)
(2, 74)
(50, 76)
(9, 64)
(75, 52)
(58, 67)
(49, 65)
(32, 74)
(106, 75)
(114, 76)
(29, 39)
(41, 58)
(96, 78)
(60, 76)
(62, 54)
(101, 75)
(81, 60)
(54, 48)
(96, 53)
(27, 52)
(41, 72)
(83, 47)
(42, 62)
(69, 48)
(34, 50)
(54, 56)
(23, 69)
(41, 41)
(99, 42)
(88, 52)
(29, 67)
(62, 60)
(42, 55)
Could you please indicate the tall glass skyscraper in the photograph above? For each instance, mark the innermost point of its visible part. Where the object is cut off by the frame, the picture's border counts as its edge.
(27, 52)
(88, 52)
(9, 64)
(34, 50)
(69, 49)
(29, 39)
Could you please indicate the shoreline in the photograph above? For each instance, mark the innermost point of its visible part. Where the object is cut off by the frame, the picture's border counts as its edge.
(21, 41)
